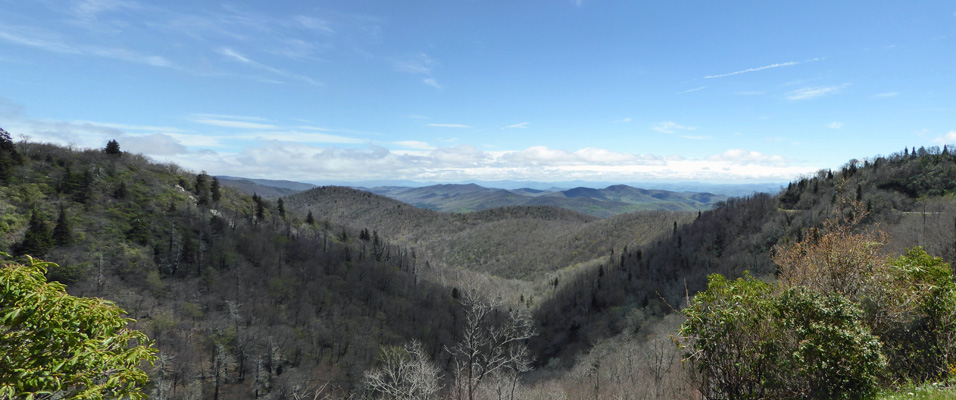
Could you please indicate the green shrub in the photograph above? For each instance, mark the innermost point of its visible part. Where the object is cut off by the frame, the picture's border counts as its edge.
(827, 351)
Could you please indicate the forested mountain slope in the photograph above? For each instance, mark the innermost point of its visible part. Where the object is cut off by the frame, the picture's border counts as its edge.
(248, 298)
(908, 194)
(242, 299)
(519, 242)
(607, 202)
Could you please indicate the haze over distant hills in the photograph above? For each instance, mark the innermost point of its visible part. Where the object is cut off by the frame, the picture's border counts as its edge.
(606, 202)
(589, 198)
(610, 201)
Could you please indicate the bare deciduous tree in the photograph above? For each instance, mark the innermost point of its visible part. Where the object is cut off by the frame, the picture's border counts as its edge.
(406, 373)
(490, 343)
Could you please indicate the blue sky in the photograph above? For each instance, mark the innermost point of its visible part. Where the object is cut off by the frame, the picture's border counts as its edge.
(446, 91)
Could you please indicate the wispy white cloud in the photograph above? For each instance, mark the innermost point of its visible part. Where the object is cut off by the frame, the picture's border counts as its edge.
(128, 127)
(414, 144)
(671, 127)
(835, 125)
(301, 137)
(808, 93)
(55, 43)
(693, 137)
(431, 82)
(228, 116)
(230, 122)
(522, 125)
(765, 67)
(697, 89)
(744, 71)
(622, 120)
(313, 23)
(449, 126)
(419, 64)
(236, 56)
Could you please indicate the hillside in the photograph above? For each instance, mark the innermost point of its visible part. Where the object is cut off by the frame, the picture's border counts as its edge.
(908, 194)
(248, 289)
(520, 242)
(607, 202)
(238, 297)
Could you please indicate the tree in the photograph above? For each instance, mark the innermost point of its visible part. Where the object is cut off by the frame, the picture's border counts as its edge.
(112, 148)
(60, 346)
(216, 190)
(728, 336)
(260, 208)
(202, 188)
(309, 219)
(62, 232)
(9, 157)
(487, 347)
(405, 373)
(280, 208)
(38, 240)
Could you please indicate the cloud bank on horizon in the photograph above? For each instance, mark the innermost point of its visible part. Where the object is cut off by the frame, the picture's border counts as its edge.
(439, 91)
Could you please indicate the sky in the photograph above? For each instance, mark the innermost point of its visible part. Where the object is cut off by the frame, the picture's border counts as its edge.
(455, 91)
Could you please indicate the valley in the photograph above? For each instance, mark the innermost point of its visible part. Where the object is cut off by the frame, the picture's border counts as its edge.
(246, 296)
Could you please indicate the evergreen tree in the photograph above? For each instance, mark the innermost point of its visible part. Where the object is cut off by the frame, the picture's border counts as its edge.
(260, 208)
(112, 148)
(216, 190)
(84, 187)
(309, 219)
(202, 188)
(280, 208)
(120, 192)
(38, 240)
(9, 157)
(62, 232)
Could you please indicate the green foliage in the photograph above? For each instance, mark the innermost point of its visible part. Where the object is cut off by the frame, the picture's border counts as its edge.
(729, 335)
(819, 343)
(62, 232)
(216, 190)
(748, 343)
(921, 332)
(828, 352)
(112, 148)
(60, 346)
(38, 239)
(9, 157)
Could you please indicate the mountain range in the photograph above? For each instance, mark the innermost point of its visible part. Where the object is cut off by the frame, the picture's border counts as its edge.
(602, 203)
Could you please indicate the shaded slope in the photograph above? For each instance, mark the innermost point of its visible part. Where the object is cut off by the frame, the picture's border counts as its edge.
(908, 194)
(613, 200)
(513, 242)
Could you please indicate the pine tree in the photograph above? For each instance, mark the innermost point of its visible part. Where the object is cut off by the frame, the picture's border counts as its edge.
(280, 208)
(112, 148)
(309, 219)
(260, 208)
(120, 192)
(202, 188)
(9, 157)
(83, 191)
(216, 191)
(38, 240)
(62, 232)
